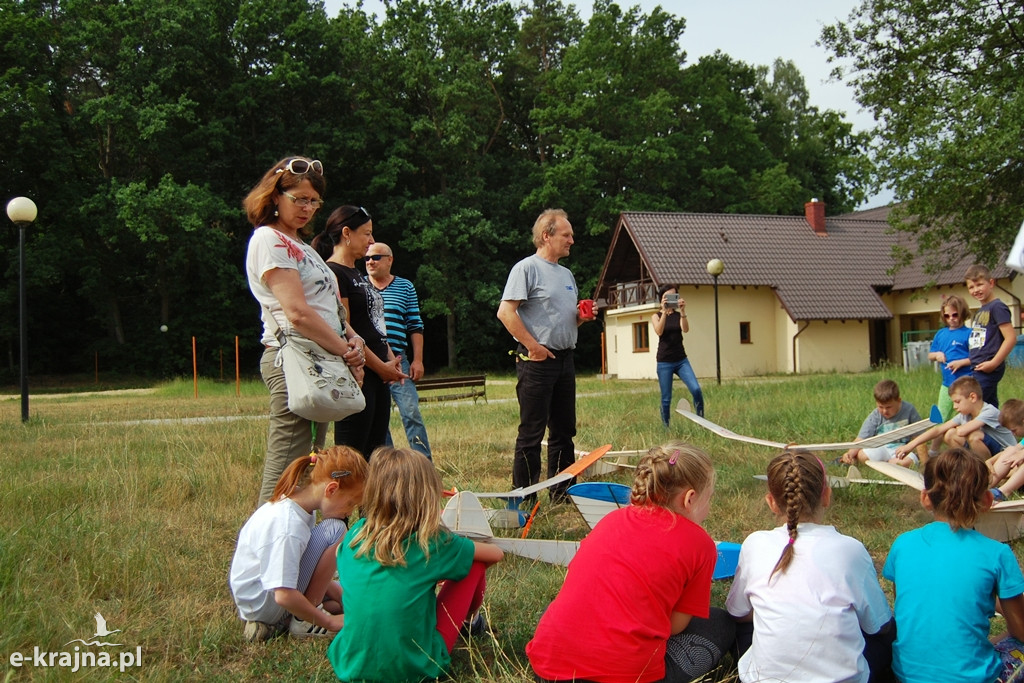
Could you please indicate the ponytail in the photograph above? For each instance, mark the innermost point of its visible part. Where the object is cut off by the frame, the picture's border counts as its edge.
(338, 463)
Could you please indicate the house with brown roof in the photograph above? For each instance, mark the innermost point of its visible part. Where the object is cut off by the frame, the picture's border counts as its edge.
(798, 294)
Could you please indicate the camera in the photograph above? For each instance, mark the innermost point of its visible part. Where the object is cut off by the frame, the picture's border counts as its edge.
(672, 300)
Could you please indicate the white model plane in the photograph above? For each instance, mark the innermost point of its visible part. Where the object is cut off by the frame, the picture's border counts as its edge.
(609, 463)
(465, 516)
(910, 430)
(1003, 521)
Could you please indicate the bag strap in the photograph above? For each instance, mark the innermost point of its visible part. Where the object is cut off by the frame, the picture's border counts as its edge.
(275, 329)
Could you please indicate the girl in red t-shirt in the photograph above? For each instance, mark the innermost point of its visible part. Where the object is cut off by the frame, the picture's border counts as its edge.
(635, 605)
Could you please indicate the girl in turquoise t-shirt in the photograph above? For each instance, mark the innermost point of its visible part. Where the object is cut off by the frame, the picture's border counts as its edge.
(950, 579)
(396, 627)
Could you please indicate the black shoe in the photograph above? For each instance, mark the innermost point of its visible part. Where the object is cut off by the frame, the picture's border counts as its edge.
(474, 627)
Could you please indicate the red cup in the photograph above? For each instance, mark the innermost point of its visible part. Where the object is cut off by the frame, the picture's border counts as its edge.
(586, 308)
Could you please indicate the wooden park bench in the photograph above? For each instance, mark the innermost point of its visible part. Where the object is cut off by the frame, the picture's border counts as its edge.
(452, 388)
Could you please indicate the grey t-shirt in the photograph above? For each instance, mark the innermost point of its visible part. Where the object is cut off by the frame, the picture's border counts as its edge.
(876, 424)
(989, 416)
(547, 294)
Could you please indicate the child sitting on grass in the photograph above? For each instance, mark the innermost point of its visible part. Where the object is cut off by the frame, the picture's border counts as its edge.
(1006, 465)
(975, 426)
(811, 593)
(635, 605)
(396, 628)
(891, 412)
(950, 579)
(284, 561)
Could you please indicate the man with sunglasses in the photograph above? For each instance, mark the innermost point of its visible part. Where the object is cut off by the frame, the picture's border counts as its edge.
(405, 332)
(539, 309)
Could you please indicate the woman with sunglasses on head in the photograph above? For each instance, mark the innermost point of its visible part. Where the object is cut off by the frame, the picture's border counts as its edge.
(344, 241)
(292, 284)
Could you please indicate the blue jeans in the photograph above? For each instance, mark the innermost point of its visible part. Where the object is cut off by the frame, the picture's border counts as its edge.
(685, 372)
(408, 402)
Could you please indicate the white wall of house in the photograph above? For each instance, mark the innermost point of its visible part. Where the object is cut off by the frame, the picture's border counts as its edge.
(756, 306)
(834, 345)
(821, 347)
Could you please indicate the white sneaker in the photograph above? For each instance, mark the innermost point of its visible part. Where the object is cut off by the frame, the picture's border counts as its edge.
(306, 629)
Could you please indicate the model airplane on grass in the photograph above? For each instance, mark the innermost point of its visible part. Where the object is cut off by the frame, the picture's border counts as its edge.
(464, 515)
(1003, 521)
(907, 431)
(609, 463)
(510, 516)
(568, 473)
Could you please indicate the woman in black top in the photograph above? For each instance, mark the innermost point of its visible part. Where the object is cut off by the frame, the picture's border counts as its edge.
(670, 323)
(349, 233)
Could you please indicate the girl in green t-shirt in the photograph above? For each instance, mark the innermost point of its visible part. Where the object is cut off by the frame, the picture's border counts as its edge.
(397, 628)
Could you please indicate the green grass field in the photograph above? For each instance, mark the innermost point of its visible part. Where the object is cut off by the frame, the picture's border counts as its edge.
(129, 503)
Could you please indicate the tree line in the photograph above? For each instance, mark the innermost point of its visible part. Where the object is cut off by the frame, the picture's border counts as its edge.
(137, 126)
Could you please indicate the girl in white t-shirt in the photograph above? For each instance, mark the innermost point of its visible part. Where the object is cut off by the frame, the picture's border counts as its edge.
(284, 561)
(811, 593)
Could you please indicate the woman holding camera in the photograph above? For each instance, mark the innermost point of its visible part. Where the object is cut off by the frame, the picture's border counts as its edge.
(670, 323)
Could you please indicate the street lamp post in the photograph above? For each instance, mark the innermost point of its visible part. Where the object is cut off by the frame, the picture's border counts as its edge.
(22, 211)
(715, 268)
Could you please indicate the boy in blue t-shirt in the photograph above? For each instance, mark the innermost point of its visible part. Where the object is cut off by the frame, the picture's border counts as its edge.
(992, 334)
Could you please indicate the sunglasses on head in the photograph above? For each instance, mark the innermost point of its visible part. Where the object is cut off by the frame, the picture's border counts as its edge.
(374, 257)
(356, 219)
(302, 166)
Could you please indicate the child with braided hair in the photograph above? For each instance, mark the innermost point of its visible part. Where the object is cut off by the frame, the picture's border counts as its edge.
(641, 585)
(949, 580)
(810, 593)
(284, 560)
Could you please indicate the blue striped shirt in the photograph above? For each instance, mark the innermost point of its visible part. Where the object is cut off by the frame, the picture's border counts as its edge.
(401, 314)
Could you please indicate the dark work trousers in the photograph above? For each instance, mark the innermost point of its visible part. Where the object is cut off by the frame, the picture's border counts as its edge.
(368, 429)
(547, 398)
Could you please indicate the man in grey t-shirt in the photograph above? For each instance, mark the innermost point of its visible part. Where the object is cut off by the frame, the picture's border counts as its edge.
(539, 309)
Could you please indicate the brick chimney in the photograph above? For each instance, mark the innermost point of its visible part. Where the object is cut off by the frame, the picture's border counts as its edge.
(814, 212)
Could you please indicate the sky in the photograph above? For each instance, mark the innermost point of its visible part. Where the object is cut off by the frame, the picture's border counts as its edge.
(753, 31)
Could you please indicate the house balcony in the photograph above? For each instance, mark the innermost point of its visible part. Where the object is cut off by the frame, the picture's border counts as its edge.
(626, 294)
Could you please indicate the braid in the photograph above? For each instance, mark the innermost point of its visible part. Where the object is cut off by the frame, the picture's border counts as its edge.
(665, 470)
(796, 480)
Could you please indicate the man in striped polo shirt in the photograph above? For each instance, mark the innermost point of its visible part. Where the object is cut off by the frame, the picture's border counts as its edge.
(405, 334)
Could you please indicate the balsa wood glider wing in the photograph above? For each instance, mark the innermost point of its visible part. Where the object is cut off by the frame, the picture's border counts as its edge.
(609, 463)
(1002, 522)
(464, 515)
(568, 473)
(904, 475)
(911, 430)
